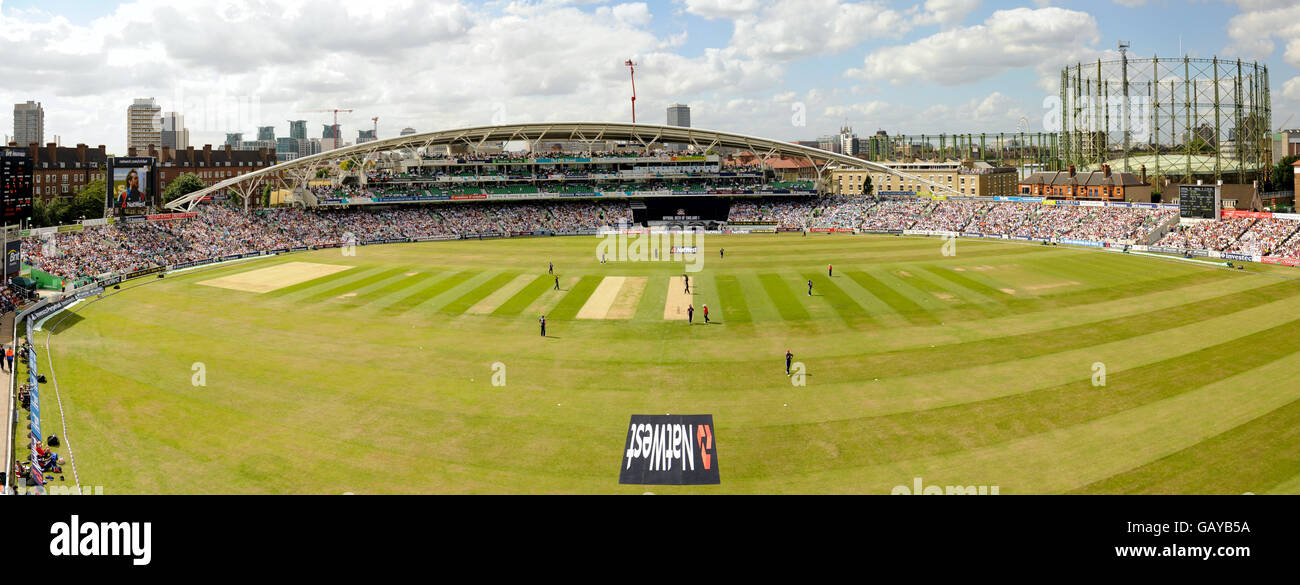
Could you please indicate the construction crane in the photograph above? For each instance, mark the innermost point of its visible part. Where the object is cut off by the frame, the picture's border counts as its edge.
(631, 67)
(338, 140)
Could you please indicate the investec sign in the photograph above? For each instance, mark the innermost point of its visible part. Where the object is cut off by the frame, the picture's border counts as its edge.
(670, 450)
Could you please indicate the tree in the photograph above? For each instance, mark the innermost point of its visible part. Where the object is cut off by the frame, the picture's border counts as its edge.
(1200, 145)
(183, 185)
(867, 187)
(88, 204)
(49, 212)
(1283, 175)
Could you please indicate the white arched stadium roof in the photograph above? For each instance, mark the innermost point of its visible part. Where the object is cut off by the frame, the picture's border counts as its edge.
(646, 134)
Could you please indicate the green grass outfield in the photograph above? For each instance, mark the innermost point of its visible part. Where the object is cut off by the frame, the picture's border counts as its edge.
(975, 369)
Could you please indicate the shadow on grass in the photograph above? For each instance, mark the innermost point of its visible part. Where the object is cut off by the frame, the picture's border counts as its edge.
(62, 322)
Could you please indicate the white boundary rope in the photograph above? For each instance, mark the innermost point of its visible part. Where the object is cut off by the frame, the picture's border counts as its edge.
(49, 356)
(63, 418)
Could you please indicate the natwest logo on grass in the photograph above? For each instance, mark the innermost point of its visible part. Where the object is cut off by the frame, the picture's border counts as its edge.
(670, 450)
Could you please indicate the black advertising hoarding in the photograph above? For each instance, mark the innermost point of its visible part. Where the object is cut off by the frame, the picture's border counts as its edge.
(13, 258)
(15, 184)
(132, 185)
(677, 449)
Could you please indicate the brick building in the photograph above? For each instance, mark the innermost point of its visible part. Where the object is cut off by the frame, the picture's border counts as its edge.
(211, 165)
(61, 171)
(976, 178)
(1100, 185)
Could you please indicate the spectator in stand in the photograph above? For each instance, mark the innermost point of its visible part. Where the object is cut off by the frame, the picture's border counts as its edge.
(1207, 235)
(1265, 237)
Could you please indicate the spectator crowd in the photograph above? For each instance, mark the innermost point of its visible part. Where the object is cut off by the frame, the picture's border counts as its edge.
(219, 231)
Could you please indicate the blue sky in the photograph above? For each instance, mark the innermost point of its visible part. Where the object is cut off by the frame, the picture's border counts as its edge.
(743, 65)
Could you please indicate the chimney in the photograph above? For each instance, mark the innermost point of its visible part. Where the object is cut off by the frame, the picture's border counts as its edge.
(1105, 169)
(1144, 174)
(81, 153)
(52, 150)
(227, 152)
(130, 151)
(1071, 169)
(207, 155)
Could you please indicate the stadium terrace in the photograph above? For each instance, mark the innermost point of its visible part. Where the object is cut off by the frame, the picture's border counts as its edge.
(216, 231)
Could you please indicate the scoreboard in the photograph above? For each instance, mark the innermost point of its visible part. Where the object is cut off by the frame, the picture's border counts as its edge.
(1198, 201)
(15, 185)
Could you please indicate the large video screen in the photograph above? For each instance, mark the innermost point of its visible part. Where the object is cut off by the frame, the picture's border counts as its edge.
(15, 184)
(1198, 201)
(131, 186)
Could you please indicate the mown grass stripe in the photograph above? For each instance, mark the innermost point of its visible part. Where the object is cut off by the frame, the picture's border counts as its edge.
(1215, 465)
(651, 307)
(315, 282)
(844, 306)
(786, 304)
(1014, 305)
(331, 293)
(956, 306)
(897, 301)
(994, 350)
(876, 440)
(388, 289)
(421, 295)
(963, 281)
(734, 309)
(575, 298)
(480, 292)
(526, 296)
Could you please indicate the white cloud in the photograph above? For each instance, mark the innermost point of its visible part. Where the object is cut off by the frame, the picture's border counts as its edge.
(947, 12)
(637, 14)
(1253, 31)
(1291, 89)
(787, 30)
(994, 112)
(712, 9)
(1042, 39)
(236, 64)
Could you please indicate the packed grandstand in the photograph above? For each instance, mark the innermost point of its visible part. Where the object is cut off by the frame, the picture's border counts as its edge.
(217, 231)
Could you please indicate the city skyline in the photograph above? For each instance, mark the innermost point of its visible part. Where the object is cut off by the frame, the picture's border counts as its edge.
(778, 69)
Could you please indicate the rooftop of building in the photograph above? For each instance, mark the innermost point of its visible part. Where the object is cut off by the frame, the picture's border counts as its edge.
(1088, 179)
